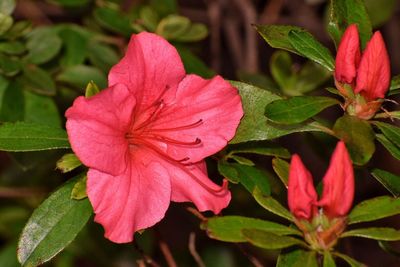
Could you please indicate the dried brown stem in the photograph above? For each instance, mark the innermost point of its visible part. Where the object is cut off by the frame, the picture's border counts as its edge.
(193, 251)
(167, 254)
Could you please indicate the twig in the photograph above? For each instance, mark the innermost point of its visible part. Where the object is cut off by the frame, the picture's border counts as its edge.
(196, 213)
(251, 258)
(193, 251)
(167, 254)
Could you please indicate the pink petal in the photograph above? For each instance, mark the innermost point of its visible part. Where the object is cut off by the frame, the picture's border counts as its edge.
(150, 65)
(338, 192)
(206, 111)
(373, 78)
(96, 128)
(348, 56)
(191, 184)
(301, 192)
(131, 201)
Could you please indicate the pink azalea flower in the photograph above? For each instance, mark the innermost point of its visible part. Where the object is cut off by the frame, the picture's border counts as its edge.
(145, 137)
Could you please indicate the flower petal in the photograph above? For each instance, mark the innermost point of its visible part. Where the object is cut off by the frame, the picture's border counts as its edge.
(96, 127)
(348, 56)
(131, 201)
(191, 184)
(150, 65)
(301, 192)
(202, 118)
(373, 78)
(338, 184)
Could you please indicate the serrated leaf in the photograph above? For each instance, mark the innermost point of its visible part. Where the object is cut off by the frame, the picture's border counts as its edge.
(281, 168)
(343, 13)
(260, 148)
(328, 260)
(297, 109)
(376, 233)
(374, 209)
(52, 226)
(272, 205)
(389, 180)
(228, 228)
(391, 132)
(254, 126)
(269, 240)
(22, 136)
(40, 52)
(297, 258)
(358, 136)
(310, 48)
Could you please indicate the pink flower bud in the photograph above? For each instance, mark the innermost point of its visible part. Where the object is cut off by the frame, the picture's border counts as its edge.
(338, 184)
(348, 56)
(301, 192)
(373, 77)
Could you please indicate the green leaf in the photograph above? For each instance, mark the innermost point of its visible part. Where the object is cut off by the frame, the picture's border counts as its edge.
(392, 148)
(52, 226)
(68, 162)
(79, 190)
(40, 51)
(165, 7)
(343, 13)
(91, 89)
(75, 47)
(7, 6)
(102, 56)
(12, 101)
(297, 109)
(80, 75)
(392, 133)
(389, 180)
(23, 136)
(229, 228)
(41, 109)
(281, 70)
(281, 168)
(297, 258)
(241, 160)
(9, 66)
(358, 136)
(254, 126)
(389, 114)
(37, 80)
(173, 26)
(71, 3)
(269, 240)
(113, 20)
(7, 255)
(195, 33)
(194, 64)
(374, 209)
(6, 21)
(277, 36)
(17, 30)
(250, 177)
(149, 18)
(328, 260)
(310, 48)
(259, 80)
(272, 205)
(377, 233)
(12, 48)
(260, 148)
(395, 83)
(352, 262)
(310, 77)
(380, 11)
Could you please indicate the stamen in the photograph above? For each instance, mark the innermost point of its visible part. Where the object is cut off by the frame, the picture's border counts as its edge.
(173, 141)
(184, 127)
(159, 105)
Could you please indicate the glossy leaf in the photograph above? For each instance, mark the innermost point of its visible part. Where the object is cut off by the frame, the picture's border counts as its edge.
(23, 136)
(352, 262)
(310, 48)
(52, 226)
(269, 240)
(343, 13)
(40, 52)
(272, 205)
(297, 258)
(241, 160)
(281, 168)
(254, 126)
(389, 180)
(229, 228)
(358, 136)
(374, 209)
(377, 233)
(392, 148)
(297, 109)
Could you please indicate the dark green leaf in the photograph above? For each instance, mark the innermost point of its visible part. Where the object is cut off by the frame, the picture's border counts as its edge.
(149, 18)
(272, 205)
(228, 228)
(165, 7)
(380, 11)
(37, 80)
(389, 180)
(352, 262)
(277, 36)
(297, 109)
(79, 190)
(8, 258)
(71, 3)
(260, 148)
(250, 177)
(102, 56)
(281, 168)
(310, 76)
(241, 160)
(358, 136)
(269, 240)
(343, 13)
(254, 126)
(281, 70)
(309, 47)
(297, 258)
(41, 109)
(7, 6)
(392, 148)
(68, 162)
(75, 47)
(389, 247)
(12, 48)
(391, 132)
(113, 20)
(173, 26)
(328, 260)
(374, 209)
(194, 64)
(52, 226)
(12, 101)
(9, 66)
(23, 136)
(395, 83)
(195, 33)
(40, 51)
(19, 29)
(377, 233)
(80, 75)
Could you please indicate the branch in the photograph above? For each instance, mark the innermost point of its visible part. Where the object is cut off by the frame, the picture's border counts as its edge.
(192, 249)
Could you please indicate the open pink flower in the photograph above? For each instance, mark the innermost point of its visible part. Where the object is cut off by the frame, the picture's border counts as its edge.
(144, 138)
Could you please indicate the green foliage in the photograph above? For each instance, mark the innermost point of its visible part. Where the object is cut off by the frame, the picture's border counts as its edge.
(374, 209)
(297, 258)
(272, 205)
(382, 233)
(389, 180)
(268, 240)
